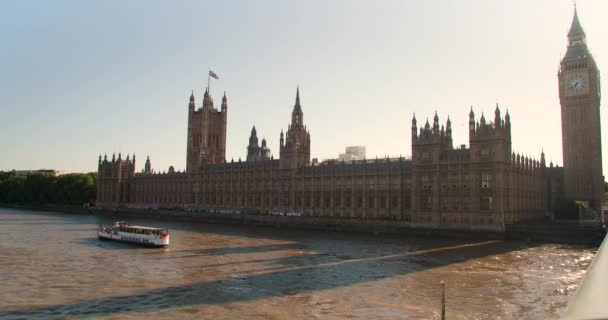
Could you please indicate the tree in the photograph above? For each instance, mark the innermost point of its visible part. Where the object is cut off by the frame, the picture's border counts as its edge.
(46, 188)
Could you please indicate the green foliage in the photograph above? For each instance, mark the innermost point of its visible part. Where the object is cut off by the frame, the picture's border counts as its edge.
(46, 188)
(568, 210)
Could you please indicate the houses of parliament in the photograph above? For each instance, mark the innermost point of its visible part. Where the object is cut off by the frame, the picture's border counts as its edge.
(484, 185)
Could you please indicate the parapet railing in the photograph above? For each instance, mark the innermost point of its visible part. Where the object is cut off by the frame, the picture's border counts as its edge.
(589, 301)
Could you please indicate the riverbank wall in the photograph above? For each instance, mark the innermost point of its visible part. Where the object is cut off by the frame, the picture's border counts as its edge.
(559, 232)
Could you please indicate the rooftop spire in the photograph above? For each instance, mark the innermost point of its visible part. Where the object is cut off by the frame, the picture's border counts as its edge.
(576, 35)
(298, 98)
(575, 27)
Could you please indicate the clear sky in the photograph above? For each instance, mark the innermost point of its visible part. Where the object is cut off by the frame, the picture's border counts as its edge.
(79, 78)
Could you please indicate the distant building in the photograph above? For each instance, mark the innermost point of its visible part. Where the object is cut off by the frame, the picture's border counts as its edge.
(353, 153)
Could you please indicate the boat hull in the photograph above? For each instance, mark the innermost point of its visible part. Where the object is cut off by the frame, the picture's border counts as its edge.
(134, 240)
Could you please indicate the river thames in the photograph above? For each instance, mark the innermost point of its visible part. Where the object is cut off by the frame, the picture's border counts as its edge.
(54, 267)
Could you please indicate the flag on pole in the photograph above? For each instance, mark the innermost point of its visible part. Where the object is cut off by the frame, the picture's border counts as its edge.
(213, 75)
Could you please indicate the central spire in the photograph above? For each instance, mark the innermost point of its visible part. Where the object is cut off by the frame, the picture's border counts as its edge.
(297, 105)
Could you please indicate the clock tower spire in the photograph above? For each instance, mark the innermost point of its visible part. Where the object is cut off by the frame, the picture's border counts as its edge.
(579, 95)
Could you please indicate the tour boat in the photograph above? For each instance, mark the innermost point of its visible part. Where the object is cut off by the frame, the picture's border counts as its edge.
(124, 232)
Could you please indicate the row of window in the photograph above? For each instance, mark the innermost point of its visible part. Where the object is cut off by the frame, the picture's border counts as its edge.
(486, 181)
(576, 66)
(313, 202)
(326, 182)
(455, 203)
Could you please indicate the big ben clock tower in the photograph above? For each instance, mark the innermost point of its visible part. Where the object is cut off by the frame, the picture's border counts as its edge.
(579, 95)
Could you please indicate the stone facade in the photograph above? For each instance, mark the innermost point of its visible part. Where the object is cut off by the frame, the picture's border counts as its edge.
(486, 182)
(484, 186)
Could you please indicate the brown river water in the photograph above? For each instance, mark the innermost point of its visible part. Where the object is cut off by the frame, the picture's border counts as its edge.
(54, 267)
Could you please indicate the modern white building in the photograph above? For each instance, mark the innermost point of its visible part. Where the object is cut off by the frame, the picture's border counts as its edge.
(353, 153)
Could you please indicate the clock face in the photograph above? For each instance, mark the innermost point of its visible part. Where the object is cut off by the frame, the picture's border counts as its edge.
(576, 83)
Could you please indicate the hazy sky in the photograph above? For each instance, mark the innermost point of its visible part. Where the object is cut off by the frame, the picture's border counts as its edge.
(79, 78)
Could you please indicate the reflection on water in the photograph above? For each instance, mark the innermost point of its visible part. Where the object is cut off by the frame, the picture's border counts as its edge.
(53, 266)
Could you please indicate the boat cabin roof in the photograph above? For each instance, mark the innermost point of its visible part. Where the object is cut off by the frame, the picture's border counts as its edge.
(141, 227)
(123, 224)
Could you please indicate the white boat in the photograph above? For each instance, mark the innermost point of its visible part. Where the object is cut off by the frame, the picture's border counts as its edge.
(124, 232)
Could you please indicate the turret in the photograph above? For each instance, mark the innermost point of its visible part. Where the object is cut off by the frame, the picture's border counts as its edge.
(192, 103)
(148, 166)
(497, 117)
(281, 140)
(436, 123)
(224, 103)
(253, 138)
(542, 159)
(448, 127)
(264, 150)
(472, 121)
(253, 149)
(297, 117)
(207, 102)
(297, 105)
(414, 128)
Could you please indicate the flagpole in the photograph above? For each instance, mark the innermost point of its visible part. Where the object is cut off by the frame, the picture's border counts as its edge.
(209, 81)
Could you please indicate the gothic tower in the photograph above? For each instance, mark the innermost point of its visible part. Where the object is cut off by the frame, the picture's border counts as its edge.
(579, 95)
(206, 133)
(253, 149)
(295, 150)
